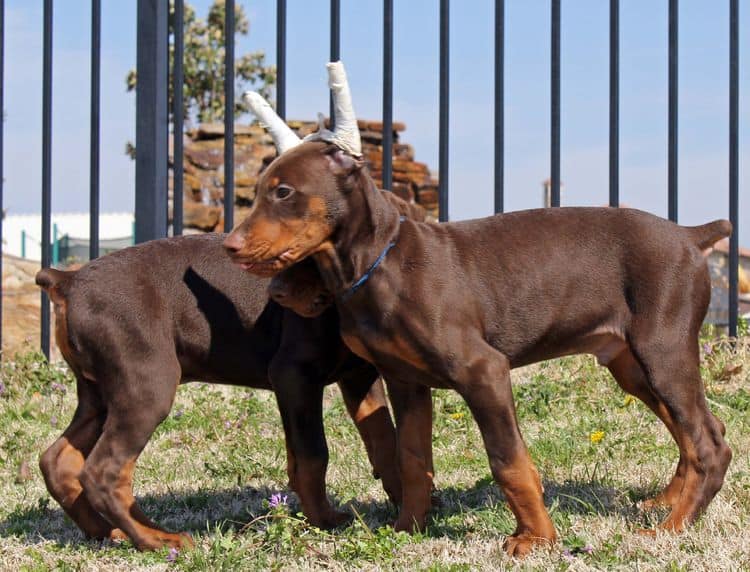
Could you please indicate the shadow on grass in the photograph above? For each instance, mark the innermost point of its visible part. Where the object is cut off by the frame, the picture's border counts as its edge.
(457, 511)
(483, 506)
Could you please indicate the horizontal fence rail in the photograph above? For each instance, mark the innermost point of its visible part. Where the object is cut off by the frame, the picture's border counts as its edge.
(153, 117)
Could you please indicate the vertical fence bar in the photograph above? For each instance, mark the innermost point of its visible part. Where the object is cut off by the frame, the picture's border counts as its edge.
(734, 163)
(335, 46)
(55, 246)
(672, 126)
(2, 155)
(152, 120)
(178, 117)
(443, 143)
(96, 30)
(555, 103)
(46, 164)
(281, 58)
(499, 105)
(387, 94)
(614, 103)
(229, 116)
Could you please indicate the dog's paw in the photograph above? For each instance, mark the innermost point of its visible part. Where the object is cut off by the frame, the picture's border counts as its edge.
(331, 519)
(520, 545)
(117, 535)
(179, 541)
(409, 523)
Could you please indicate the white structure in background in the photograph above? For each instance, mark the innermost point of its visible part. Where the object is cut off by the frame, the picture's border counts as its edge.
(75, 225)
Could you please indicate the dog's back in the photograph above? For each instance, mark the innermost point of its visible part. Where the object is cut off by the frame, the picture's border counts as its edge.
(178, 295)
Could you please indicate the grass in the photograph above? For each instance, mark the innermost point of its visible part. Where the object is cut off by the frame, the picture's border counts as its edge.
(212, 467)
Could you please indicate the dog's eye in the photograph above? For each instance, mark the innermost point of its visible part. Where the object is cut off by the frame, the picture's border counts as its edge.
(281, 192)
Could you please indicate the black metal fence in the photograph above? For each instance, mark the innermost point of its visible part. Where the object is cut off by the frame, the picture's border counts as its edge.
(152, 117)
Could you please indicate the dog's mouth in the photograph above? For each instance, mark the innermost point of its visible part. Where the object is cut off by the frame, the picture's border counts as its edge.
(307, 309)
(265, 267)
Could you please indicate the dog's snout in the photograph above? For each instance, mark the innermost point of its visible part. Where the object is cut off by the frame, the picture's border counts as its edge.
(233, 243)
(278, 291)
(321, 301)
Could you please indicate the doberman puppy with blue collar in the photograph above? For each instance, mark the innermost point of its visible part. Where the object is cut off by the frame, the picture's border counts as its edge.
(458, 305)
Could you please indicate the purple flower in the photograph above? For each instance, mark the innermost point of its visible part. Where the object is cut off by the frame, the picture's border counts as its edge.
(588, 549)
(277, 500)
(53, 421)
(173, 554)
(59, 387)
(227, 424)
(707, 349)
(179, 413)
(568, 555)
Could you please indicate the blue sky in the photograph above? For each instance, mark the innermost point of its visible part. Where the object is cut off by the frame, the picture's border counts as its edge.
(703, 136)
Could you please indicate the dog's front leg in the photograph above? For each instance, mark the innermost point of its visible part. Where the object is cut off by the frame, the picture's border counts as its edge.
(412, 405)
(484, 382)
(300, 401)
(366, 403)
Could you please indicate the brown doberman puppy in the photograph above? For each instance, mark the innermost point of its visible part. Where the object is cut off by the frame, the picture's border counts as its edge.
(459, 305)
(135, 324)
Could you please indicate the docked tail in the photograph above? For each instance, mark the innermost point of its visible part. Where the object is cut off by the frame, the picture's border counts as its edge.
(706, 235)
(51, 281)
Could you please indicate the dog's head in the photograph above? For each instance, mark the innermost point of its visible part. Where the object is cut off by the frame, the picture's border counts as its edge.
(301, 200)
(304, 196)
(300, 288)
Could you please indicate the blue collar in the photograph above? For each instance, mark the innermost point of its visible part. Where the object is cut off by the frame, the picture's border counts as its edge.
(366, 276)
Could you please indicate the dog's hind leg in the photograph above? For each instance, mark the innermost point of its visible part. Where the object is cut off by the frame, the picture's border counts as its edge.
(632, 379)
(107, 475)
(366, 403)
(484, 382)
(673, 374)
(62, 463)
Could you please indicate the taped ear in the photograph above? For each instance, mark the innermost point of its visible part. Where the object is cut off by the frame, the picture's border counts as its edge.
(342, 164)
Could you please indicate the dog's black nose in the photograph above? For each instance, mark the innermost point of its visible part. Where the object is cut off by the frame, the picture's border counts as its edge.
(322, 301)
(278, 292)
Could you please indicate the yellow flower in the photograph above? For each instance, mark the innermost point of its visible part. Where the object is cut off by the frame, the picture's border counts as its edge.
(628, 400)
(596, 436)
(457, 415)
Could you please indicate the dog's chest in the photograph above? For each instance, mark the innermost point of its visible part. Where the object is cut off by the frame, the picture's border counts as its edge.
(376, 342)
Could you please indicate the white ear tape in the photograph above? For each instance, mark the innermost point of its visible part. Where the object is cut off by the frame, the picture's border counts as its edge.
(282, 134)
(346, 133)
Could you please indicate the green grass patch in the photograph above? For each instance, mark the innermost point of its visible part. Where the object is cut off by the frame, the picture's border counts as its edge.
(215, 462)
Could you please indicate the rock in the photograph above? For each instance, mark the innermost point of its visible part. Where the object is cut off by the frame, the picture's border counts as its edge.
(254, 150)
(244, 195)
(207, 131)
(197, 215)
(205, 156)
(427, 196)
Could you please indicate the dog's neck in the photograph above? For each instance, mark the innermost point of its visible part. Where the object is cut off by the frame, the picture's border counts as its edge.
(372, 224)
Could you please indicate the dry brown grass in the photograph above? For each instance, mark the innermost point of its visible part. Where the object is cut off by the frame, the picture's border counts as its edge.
(213, 464)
